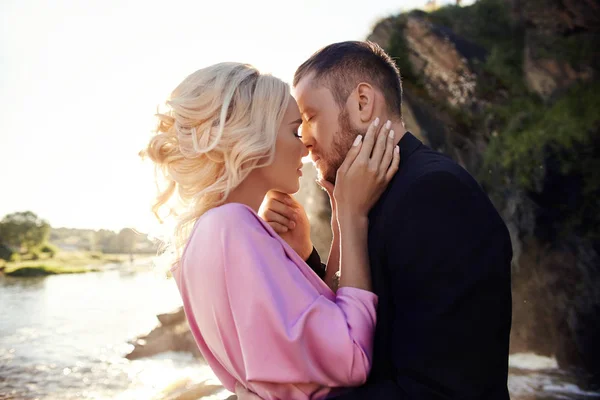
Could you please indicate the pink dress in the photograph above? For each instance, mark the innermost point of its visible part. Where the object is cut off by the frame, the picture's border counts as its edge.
(262, 317)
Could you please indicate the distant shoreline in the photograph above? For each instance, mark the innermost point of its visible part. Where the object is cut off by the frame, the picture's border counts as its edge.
(68, 263)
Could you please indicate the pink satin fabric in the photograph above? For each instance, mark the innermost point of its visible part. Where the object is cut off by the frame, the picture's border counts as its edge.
(262, 317)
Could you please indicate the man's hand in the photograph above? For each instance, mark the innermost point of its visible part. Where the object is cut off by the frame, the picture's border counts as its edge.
(288, 218)
(244, 394)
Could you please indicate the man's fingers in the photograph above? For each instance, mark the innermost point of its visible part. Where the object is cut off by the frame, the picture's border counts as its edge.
(280, 207)
(281, 197)
(279, 228)
(270, 215)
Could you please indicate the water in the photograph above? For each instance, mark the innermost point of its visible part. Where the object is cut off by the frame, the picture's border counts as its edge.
(65, 336)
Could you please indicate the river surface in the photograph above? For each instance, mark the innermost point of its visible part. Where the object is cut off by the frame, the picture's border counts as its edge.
(64, 337)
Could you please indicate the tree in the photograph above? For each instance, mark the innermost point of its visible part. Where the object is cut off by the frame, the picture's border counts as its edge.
(24, 230)
(127, 239)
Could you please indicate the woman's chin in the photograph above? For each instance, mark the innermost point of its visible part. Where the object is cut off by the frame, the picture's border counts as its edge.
(293, 189)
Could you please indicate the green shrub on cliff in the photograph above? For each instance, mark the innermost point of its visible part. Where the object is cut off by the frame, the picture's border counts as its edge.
(487, 22)
(531, 133)
(532, 144)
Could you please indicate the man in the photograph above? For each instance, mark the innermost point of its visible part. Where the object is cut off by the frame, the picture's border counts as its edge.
(439, 252)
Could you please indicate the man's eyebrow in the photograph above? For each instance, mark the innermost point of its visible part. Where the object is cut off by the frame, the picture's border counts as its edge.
(298, 121)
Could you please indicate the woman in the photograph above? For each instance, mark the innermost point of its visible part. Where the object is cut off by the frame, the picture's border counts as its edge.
(260, 316)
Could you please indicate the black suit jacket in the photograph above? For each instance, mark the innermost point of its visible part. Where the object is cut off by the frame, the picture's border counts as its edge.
(440, 258)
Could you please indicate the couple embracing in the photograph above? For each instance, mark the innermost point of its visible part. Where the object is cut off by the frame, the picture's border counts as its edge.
(414, 301)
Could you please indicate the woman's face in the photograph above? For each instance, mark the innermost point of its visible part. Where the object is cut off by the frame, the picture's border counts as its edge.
(285, 171)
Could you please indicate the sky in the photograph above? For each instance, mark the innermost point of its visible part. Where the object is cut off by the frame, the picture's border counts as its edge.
(80, 82)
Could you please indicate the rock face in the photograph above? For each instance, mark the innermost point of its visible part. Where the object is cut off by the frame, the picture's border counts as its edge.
(546, 76)
(440, 56)
(463, 68)
(172, 334)
(555, 30)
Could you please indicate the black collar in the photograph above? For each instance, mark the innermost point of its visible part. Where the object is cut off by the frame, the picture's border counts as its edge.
(408, 144)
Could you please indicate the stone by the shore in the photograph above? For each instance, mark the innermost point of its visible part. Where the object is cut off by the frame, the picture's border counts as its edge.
(172, 334)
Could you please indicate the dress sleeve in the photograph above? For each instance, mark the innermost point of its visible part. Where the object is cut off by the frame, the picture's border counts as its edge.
(287, 331)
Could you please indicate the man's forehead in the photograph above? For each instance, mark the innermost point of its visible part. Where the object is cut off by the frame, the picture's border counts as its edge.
(308, 90)
(308, 83)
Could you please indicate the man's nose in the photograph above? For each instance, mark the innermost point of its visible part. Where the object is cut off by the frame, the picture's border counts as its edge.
(307, 137)
(304, 151)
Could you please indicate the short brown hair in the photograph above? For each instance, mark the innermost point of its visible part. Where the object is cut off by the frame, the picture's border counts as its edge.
(342, 66)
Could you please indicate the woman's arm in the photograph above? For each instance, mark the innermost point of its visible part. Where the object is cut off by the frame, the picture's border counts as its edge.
(361, 179)
(260, 316)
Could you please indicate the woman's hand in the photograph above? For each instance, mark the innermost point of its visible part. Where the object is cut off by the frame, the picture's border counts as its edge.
(288, 218)
(365, 173)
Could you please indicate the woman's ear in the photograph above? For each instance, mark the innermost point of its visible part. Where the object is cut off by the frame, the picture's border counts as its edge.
(366, 101)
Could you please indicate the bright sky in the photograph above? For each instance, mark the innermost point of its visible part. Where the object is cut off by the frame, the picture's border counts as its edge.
(80, 81)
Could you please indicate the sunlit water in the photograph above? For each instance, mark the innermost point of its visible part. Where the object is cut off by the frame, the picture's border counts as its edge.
(64, 337)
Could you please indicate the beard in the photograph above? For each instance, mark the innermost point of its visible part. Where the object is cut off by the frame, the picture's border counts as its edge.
(342, 141)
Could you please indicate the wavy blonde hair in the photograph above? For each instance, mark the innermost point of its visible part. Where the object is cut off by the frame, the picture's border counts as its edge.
(220, 124)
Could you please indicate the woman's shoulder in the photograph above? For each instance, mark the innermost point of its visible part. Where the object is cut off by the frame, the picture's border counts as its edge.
(219, 226)
(229, 221)
(226, 217)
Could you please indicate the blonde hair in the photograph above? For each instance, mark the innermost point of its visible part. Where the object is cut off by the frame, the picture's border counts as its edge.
(220, 124)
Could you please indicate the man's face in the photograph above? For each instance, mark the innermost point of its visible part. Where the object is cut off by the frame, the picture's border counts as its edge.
(327, 131)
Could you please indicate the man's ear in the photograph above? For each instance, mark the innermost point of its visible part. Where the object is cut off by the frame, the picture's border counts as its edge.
(366, 101)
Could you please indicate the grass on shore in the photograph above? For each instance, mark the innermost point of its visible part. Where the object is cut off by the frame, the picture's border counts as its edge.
(63, 263)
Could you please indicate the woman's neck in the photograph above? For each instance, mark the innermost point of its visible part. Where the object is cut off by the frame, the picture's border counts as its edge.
(249, 193)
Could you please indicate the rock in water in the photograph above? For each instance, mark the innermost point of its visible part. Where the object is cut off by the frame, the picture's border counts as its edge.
(172, 334)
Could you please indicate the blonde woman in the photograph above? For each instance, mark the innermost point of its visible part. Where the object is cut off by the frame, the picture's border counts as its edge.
(260, 315)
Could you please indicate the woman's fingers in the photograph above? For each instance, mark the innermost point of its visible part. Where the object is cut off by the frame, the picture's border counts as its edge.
(368, 142)
(351, 155)
(379, 148)
(393, 168)
(387, 155)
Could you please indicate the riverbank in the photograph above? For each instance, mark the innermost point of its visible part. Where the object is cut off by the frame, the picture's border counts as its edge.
(66, 263)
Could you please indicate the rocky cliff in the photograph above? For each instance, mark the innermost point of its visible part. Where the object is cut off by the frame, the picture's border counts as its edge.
(510, 89)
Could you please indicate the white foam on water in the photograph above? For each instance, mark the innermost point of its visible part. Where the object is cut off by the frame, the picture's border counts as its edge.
(536, 376)
(531, 361)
